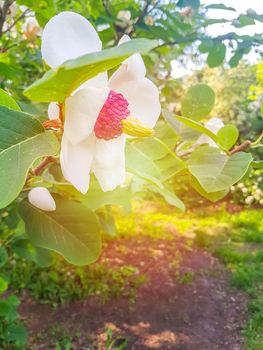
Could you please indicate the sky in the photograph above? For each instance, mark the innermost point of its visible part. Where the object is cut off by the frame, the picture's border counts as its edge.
(241, 7)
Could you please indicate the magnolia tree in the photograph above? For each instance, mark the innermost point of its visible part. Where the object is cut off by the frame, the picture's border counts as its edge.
(104, 140)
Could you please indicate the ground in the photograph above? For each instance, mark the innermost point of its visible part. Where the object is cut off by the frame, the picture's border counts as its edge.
(183, 301)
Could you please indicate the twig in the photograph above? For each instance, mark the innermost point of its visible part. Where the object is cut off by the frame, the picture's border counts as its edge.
(16, 21)
(244, 146)
(46, 161)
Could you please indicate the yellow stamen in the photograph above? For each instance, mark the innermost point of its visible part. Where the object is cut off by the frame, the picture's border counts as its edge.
(134, 127)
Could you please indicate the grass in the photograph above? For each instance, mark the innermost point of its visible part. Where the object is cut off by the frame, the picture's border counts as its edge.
(240, 248)
(62, 283)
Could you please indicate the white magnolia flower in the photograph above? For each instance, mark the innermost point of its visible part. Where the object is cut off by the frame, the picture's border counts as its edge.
(98, 112)
(124, 15)
(31, 28)
(214, 125)
(41, 198)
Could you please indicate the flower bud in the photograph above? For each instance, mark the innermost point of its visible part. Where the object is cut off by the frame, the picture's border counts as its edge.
(41, 198)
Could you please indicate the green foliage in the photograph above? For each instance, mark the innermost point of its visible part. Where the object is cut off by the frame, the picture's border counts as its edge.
(44, 10)
(7, 101)
(220, 7)
(62, 283)
(73, 230)
(3, 256)
(227, 136)
(13, 334)
(198, 127)
(57, 84)
(198, 102)
(115, 343)
(22, 140)
(211, 196)
(24, 249)
(216, 54)
(216, 171)
(141, 165)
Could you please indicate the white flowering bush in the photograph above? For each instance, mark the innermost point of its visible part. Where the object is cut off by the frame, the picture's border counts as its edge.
(250, 190)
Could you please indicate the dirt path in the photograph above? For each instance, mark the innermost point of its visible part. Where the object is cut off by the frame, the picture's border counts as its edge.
(186, 303)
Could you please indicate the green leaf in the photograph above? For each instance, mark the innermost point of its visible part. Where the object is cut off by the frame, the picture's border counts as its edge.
(24, 249)
(234, 60)
(141, 165)
(22, 140)
(216, 55)
(216, 171)
(257, 164)
(198, 127)
(3, 284)
(8, 101)
(72, 230)
(8, 308)
(245, 20)
(44, 9)
(169, 196)
(17, 332)
(3, 256)
(59, 83)
(220, 7)
(169, 167)
(108, 223)
(198, 102)
(95, 198)
(227, 136)
(212, 196)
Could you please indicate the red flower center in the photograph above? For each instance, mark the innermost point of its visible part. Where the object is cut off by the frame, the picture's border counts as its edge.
(108, 125)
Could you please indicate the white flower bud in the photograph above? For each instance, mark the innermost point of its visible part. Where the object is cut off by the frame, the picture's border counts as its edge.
(41, 198)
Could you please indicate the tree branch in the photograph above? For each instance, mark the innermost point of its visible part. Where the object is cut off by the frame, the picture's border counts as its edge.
(45, 162)
(16, 21)
(244, 146)
(4, 12)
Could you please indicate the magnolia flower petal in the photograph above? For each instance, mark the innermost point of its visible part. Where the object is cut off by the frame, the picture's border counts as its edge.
(53, 111)
(132, 68)
(143, 98)
(41, 198)
(81, 112)
(214, 125)
(76, 162)
(68, 35)
(109, 163)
